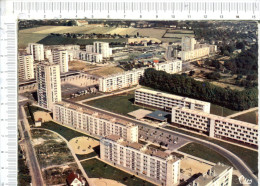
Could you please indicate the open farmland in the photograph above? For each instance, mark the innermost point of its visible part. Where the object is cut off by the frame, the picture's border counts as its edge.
(106, 71)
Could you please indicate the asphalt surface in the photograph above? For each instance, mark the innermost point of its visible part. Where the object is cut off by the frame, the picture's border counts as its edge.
(229, 155)
(30, 155)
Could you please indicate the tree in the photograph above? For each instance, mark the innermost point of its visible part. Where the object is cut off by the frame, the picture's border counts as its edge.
(240, 45)
(251, 77)
(191, 73)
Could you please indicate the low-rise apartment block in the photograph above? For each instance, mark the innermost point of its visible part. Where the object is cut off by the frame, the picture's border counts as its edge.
(216, 126)
(91, 57)
(166, 101)
(120, 80)
(155, 165)
(170, 67)
(194, 54)
(93, 122)
(218, 175)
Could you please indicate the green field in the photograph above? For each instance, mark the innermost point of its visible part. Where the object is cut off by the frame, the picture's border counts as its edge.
(250, 157)
(98, 169)
(221, 111)
(25, 38)
(205, 153)
(59, 40)
(121, 104)
(250, 117)
(66, 132)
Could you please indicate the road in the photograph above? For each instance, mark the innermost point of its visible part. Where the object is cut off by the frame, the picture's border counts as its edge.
(34, 167)
(235, 160)
(242, 112)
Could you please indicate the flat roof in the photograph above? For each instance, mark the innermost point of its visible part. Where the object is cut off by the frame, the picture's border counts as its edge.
(158, 115)
(216, 117)
(173, 96)
(138, 146)
(212, 174)
(87, 110)
(140, 113)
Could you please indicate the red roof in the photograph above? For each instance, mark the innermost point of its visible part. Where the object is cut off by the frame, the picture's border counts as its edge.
(72, 177)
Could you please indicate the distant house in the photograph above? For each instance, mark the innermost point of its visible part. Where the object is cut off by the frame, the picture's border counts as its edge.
(74, 180)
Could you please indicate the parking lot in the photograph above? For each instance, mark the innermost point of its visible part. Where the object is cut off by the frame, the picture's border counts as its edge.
(162, 138)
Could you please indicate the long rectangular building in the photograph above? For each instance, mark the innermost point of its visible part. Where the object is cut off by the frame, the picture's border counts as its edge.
(217, 175)
(216, 126)
(170, 67)
(155, 165)
(131, 77)
(93, 122)
(167, 101)
(120, 80)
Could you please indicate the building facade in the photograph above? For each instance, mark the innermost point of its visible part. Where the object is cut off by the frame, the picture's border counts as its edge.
(48, 84)
(217, 175)
(155, 165)
(37, 50)
(166, 101)
(91, 57)
(102, 48)
(170, 67)
(187, 43)
(95, 123)
(26, 70)
(61, 57)
(216, 126)
(194, 54)
(120, 80)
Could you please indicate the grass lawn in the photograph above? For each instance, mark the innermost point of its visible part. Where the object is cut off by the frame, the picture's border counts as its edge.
(250, 117)
(250, 157)
(85, 156)
(67, 133)
(203, 152)
(98, 169)
(220, 111)
(121, 104)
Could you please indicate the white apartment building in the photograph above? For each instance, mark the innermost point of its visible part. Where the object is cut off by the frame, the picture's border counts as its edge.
(89, 48)
(61, 57)
(216, 126)
(120, 80)
(91, 57)
(102, 48)
(187, 43)
(155, 165)
(26, 70)
(36, 50)
(48, 84)
(93, 122)
(194, 54)
(48, 55)
(170, 67)
(218, 175)
(166, 101)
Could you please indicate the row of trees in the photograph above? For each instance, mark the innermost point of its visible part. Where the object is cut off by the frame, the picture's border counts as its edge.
(187, 86)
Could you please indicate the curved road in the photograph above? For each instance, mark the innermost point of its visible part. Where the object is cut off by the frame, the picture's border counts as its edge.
(235, 160)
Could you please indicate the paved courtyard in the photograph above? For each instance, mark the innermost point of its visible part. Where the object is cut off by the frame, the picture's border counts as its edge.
(83, 145)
